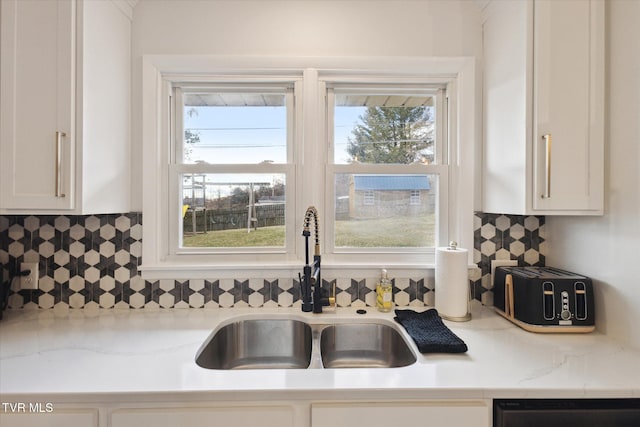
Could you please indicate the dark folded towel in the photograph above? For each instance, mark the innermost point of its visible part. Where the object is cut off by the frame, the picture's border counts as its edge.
(429, 332)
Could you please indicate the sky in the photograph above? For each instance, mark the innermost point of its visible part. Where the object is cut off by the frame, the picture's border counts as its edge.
(254, 134)
(251, 135)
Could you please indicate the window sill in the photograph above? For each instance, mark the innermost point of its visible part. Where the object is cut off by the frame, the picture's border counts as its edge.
(275, 271)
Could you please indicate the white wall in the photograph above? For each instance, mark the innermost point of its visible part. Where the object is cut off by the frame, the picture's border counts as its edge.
(308, 27)
(608, 248)
(300, 28)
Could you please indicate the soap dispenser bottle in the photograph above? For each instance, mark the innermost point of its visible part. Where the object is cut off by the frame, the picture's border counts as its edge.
(384, 293)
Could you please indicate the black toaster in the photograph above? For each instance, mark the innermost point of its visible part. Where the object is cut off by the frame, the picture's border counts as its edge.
(544, 299)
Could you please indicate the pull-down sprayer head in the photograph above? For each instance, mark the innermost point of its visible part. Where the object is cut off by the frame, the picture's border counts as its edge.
(312, 213)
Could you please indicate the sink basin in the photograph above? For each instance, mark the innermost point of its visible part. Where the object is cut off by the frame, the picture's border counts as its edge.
(295, 344)
(364, 345)
(258, 344)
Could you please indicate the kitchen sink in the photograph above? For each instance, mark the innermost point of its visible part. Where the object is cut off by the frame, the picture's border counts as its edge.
(259, 344)
(296, 344)
(364, 345)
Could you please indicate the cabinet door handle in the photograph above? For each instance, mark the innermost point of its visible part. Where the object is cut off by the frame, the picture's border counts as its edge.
(547, 166)
(59, 136)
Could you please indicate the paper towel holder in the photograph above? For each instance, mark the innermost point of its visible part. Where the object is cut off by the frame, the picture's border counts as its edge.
(453, 245)
(464, 318)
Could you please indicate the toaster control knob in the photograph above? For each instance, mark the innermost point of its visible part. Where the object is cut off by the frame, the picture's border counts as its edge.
(565, 314)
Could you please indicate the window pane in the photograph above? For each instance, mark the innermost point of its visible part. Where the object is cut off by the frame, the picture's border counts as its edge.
(385, 210)
(234, 128)
(233, 210)
(384, 128)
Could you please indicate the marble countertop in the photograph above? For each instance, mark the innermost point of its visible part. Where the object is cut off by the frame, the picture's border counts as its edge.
(111, 354)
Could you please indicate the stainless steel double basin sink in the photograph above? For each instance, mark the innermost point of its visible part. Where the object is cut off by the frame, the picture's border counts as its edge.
(277, 343)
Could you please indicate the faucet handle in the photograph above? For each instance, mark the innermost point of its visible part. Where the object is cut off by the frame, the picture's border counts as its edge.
(332, 296)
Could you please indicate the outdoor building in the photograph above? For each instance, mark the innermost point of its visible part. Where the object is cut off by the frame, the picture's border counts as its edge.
(380, 196)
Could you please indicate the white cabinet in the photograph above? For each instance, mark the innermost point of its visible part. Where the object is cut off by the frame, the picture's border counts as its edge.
(65, 107)
(56, 418)
(238, 416)
(543, 103)
(37, 107)
(384, 414)
(442, 413)
(294, 413)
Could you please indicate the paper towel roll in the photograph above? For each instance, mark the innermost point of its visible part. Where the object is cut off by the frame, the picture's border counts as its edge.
(452, 283)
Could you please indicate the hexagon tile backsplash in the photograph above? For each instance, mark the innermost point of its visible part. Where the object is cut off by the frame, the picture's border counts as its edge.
(92, 262)
(498, 236)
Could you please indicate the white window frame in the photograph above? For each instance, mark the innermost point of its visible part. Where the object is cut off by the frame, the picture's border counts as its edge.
(311, 156)
(177, 168)
(440, 88)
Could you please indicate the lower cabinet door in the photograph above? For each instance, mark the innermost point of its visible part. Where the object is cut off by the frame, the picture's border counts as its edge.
(55, 418)
(238, 416)
(385, 414)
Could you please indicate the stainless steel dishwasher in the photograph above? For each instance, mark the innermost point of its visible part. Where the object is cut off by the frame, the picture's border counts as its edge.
(566, 412)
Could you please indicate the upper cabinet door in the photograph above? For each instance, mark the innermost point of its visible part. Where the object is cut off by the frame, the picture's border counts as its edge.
(37, 111)
(543, 107)
(567, 112)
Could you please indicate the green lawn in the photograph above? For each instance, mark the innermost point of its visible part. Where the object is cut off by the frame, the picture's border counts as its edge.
(265, 236)
(385, 232)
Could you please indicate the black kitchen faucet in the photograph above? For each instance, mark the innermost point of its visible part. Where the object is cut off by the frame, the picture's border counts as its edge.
(311, 291)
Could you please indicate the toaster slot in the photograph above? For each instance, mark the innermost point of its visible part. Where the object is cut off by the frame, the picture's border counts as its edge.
(548, 301)
(581, 300)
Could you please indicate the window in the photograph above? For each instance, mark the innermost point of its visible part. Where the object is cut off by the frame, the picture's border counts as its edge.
(388, 156)
(414, 198)
(368, 198)
(232, 156)
(232, 145)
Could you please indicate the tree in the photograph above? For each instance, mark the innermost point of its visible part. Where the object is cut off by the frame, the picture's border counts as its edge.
(393, 135)
(190, 137)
